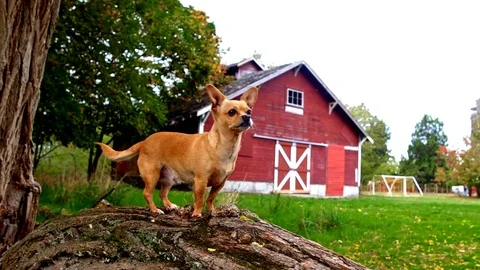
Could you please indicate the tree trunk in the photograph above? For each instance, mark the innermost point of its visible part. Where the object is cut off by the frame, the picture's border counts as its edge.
(93, 158)
(26, 28)
(131, 238)
(37, 155)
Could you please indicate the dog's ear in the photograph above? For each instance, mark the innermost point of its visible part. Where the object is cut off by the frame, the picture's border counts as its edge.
(216, 97)
(250, 97)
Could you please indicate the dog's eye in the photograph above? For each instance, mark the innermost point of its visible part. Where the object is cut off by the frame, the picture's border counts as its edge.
(232, 112)
(249, 112)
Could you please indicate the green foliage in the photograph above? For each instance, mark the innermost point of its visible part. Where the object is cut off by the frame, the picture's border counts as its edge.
(423, 158)
(67, 197)
(376, 157)
(118, 67)
(462, 166)
(63, 162)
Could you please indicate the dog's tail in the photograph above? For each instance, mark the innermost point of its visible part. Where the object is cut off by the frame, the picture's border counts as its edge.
(120, 155)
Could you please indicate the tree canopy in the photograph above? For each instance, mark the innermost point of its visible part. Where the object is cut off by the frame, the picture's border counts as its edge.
(120, 66)
(423, 157)
(462, 167)
(376, 158)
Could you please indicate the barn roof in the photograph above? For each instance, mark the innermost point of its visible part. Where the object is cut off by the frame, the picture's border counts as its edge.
(248, 80)
(241, 85)
(243, 62)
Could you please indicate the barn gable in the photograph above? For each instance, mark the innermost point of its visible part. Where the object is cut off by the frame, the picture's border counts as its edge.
(244, 67)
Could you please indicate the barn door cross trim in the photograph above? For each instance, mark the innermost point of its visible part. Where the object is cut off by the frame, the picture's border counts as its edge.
(293, 164)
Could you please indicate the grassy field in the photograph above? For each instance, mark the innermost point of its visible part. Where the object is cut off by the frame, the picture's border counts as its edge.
(379, 232)
(430, 232)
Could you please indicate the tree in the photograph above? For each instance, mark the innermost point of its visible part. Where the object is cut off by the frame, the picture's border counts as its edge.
(118, 68)
(131, 238)
(467, 171)
(462, 166)
(423, 158)
(376, 158)
(26, 28)
(449, 159)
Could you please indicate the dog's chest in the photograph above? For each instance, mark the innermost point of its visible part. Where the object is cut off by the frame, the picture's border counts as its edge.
(220, 174)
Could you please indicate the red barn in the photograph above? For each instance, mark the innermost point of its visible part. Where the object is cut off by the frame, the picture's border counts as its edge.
(303, 141)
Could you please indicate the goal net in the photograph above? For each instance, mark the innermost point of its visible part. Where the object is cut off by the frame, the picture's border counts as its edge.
(394, 185)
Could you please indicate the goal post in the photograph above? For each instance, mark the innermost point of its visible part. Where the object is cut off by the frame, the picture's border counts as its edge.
(389, 181)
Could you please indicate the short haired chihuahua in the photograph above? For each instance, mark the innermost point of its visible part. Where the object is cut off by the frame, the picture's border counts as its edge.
(206, 159)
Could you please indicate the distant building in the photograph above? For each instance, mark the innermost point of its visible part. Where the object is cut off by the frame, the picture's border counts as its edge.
(476, 118)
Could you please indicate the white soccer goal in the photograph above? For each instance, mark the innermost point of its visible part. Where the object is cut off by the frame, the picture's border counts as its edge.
(406, 185)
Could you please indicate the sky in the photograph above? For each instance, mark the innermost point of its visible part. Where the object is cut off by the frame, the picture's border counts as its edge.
(402, 59)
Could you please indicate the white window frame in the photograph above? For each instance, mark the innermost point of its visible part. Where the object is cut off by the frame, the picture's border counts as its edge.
(293, 104)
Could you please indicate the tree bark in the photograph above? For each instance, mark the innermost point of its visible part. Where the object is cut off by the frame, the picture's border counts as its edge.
(26, 28)
(131, 238)
(93, 158)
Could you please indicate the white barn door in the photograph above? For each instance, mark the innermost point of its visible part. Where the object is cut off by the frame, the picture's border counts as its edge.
(292, 167)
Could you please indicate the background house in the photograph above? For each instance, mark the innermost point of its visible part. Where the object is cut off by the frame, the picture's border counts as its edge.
(303, 141)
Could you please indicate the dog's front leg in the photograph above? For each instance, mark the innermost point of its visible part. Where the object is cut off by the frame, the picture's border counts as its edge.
(211, 197)
(199, 189)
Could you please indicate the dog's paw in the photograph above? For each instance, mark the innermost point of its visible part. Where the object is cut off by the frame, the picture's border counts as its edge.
(196, 216)
(158, 212)
(171, 207)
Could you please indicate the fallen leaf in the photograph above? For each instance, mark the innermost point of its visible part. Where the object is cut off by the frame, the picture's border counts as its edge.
(256, 244)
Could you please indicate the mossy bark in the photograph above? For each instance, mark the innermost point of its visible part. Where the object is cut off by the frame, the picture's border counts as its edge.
(131, 238)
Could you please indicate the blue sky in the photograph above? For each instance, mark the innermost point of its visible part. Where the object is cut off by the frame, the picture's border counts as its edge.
(403, 59)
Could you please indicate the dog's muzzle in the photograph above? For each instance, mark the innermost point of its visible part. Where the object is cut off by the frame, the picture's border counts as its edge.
(246, 121)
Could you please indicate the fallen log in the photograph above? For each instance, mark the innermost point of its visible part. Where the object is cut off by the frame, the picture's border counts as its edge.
(132, 238)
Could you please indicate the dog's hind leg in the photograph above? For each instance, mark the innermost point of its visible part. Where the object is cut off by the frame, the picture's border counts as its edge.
(150, 173)
(165, 188)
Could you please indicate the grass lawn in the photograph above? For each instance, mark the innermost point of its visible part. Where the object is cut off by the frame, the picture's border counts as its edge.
(428, 232)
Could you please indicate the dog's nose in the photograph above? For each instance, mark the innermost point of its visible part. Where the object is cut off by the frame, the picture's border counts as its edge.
(245, 117)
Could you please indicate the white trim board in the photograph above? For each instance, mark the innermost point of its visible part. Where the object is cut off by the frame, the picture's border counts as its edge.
(288, 140)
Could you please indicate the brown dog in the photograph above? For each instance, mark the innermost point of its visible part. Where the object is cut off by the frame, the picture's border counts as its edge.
(206, 159)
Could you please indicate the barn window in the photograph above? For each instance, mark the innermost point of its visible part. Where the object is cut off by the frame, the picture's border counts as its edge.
(294, 98)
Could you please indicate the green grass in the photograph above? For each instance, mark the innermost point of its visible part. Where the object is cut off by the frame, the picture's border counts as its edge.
(379, 232)
(428, 232)
(65, 189)
(382, 233)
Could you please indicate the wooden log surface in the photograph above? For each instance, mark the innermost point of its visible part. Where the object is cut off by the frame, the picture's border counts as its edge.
(132, 238)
